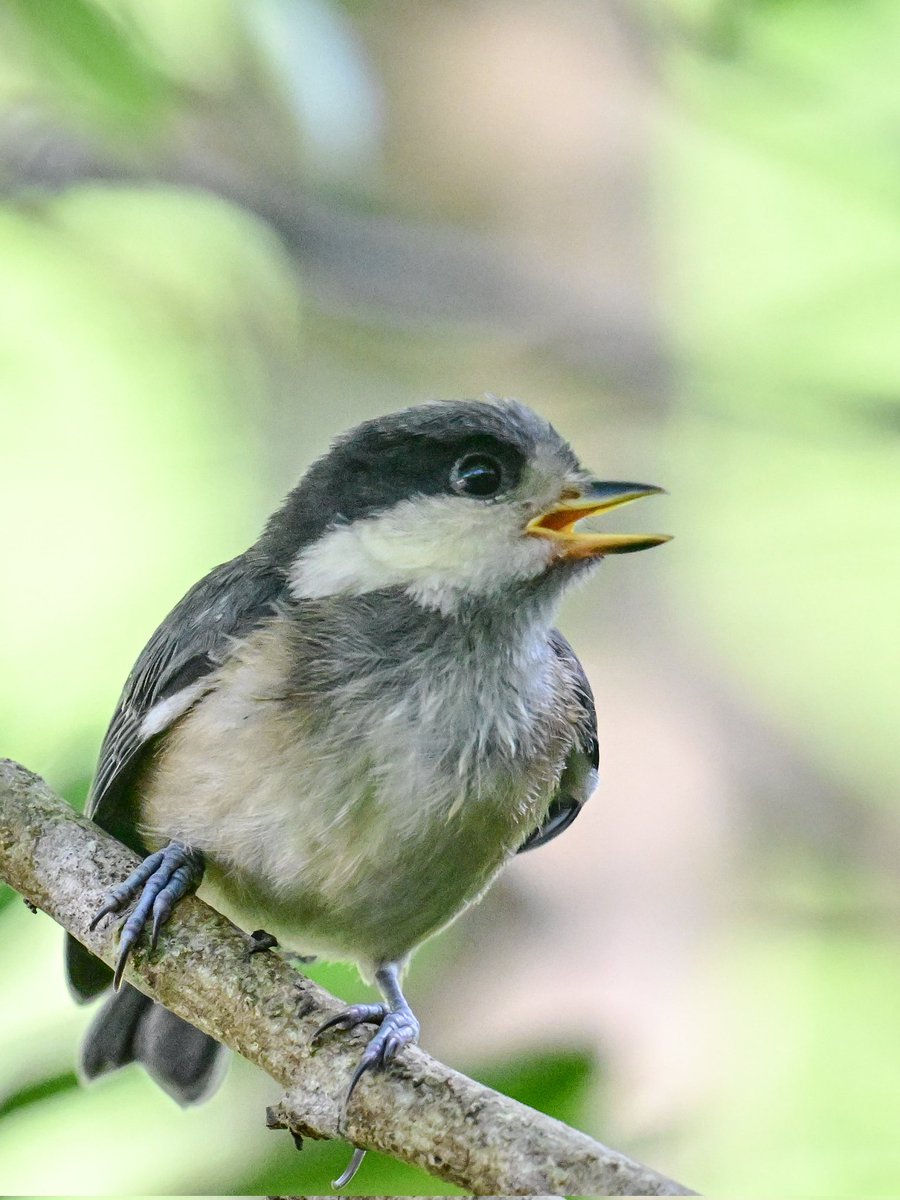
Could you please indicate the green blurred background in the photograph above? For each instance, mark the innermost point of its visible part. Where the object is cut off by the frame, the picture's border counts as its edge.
(228, 231)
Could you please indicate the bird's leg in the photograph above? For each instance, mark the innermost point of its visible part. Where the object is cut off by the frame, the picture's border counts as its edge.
(159, 883)
(397, 1026)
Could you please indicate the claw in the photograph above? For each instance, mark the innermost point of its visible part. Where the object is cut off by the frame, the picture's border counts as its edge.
(349, 1018)
(116, 898)
(350, 1170)
(179, 885)
(157, 926)
(398, 1028)
(159, 883)
(126, 942)
(391, 1046)
(366, 1063)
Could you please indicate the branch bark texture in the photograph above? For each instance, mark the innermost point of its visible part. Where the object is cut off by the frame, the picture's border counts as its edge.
(419, 1111)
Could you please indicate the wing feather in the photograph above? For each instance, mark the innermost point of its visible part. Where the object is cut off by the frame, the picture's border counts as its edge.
(579, 777)
(168, 676)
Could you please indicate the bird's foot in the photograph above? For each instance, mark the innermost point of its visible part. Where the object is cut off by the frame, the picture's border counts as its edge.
(159, 882)
(397, 1027)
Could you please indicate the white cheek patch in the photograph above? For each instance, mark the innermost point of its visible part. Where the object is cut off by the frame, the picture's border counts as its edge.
(435, 546)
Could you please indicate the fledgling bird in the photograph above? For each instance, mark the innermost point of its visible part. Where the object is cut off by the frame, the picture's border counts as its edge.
(345, 732)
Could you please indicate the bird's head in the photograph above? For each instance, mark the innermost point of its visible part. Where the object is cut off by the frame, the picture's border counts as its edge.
(452, 501)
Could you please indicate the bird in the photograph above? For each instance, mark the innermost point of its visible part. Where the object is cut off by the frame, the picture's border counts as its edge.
(344, 733)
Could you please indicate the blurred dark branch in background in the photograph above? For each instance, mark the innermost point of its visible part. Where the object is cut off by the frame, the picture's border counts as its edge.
(411, 274)
(420, 1112)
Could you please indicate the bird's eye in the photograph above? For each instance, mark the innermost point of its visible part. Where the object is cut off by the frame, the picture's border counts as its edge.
(477, 475)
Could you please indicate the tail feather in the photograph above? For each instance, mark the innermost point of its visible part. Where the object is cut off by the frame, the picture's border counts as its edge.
(87, 975)
(186, 1063)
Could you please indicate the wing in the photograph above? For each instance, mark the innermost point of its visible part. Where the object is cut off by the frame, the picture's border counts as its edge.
(579, 777)
(169, 676)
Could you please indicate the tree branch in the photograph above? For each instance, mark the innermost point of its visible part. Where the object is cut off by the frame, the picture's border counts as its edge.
(419, 1111)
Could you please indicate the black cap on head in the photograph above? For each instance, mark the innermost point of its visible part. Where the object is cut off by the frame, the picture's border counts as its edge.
(409, 453)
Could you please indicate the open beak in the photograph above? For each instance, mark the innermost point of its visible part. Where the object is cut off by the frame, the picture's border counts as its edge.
(558, 523)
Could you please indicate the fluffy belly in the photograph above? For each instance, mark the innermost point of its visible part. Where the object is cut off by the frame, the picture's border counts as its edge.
(359, 855)
(369, 904)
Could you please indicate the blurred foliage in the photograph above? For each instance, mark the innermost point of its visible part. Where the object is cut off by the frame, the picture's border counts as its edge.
(784, 261)
(784, 297)
(87, 56)
(135, 324)
(165, 372)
